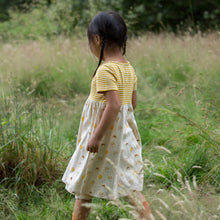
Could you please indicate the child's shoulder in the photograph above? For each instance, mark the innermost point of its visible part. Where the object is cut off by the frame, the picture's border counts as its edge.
(112, 65)
(115, 68)
(106, 67)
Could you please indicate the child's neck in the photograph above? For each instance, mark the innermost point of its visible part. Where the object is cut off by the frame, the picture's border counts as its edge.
(114, 55)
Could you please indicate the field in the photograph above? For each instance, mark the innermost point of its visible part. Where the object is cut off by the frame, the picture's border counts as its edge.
(44, 85)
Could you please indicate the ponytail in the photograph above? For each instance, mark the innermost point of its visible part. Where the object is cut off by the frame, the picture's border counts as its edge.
(101, 55)
(124, 48)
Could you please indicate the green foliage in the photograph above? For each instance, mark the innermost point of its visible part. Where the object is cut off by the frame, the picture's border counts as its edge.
(30, 144)
(107, 210)
(36, 24)
(32, 19)
(44, 203)
(53, 82)
(43, 87)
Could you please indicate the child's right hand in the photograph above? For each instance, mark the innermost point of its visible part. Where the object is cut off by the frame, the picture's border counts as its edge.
(93, 145)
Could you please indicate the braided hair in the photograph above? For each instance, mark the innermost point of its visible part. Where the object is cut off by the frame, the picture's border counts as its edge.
(111, 29)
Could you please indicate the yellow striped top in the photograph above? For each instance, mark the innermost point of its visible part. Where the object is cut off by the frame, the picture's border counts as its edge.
(114, 75)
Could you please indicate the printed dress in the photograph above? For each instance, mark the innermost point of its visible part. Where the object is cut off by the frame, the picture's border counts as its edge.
(117, 168)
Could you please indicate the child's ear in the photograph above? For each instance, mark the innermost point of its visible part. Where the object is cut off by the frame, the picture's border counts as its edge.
(97, 40)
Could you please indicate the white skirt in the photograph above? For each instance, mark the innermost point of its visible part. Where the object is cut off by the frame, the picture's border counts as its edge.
(117, 168)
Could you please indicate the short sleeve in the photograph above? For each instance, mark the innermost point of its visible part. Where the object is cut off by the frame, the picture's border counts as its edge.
(106, 79)
(135, 83)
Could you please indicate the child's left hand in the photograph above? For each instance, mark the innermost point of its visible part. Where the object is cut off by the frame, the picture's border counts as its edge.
(93, 145)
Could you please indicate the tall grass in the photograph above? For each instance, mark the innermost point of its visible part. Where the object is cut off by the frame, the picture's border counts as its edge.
(43, 87)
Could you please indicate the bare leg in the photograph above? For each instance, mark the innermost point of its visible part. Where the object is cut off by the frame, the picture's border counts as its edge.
(81, 212)
(141, 205)
(145, 213)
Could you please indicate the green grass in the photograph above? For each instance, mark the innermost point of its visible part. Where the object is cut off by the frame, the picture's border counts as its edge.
(43, 88)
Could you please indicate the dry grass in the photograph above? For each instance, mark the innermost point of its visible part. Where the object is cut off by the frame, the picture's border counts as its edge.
(178, 112)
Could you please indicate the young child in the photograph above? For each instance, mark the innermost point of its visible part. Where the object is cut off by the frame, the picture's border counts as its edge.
(107, 162)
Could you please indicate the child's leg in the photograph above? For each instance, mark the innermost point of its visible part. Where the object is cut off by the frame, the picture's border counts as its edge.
(145, 212)
(142, 206)
(80, 211)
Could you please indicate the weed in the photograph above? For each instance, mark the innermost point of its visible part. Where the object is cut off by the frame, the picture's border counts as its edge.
(43, 87)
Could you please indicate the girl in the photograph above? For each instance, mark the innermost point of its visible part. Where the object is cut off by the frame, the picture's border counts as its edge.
(107, 162)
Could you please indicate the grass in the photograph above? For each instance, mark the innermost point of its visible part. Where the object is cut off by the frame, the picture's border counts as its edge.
(43, 87)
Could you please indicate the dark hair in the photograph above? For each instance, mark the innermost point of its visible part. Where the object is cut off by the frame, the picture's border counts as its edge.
(112, 30)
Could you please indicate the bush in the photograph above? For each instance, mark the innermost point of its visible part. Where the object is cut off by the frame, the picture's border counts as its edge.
(37, 18)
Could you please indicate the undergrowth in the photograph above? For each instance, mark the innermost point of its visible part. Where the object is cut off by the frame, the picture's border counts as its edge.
(43, 87)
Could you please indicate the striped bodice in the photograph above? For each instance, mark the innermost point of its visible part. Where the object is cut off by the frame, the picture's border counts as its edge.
(114, 75)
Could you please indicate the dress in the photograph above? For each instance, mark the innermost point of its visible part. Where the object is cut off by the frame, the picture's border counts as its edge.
(117, 168)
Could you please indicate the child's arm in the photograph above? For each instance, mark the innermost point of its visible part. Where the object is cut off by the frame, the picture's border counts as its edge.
(109, 115)
(134, 99)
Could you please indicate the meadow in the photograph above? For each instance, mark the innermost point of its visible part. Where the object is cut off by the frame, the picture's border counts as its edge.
(44, 84)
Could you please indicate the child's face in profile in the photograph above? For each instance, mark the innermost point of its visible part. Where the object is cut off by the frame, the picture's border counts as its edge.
(95, 45)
